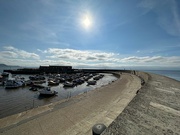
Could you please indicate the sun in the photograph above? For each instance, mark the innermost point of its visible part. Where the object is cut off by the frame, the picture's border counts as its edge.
(86, 21)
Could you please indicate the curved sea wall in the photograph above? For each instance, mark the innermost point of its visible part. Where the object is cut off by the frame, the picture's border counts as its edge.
(143, 75)
(118, 75)
(154, 110)
(78, 114)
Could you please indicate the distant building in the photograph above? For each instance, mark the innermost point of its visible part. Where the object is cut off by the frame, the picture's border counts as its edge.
(55, 69)
(42, 69)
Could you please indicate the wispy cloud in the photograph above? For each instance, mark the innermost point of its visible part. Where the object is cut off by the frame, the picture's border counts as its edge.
(53, 27)
(146, 59)
(9, 54)
(163, 51)
(12, 52)
(39, 31)
(148, 5)
(153, 61)
(167, 14)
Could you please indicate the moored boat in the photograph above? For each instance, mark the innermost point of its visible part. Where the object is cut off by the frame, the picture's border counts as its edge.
(5, 74)
(38, 86)
(68, 84)
(11, 84)
(53, 83)
(91, 82)
(47, 92)
(37, 77)
(33, 89)
(96, 78)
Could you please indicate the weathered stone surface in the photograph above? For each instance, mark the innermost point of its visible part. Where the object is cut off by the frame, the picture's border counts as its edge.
(155, 110)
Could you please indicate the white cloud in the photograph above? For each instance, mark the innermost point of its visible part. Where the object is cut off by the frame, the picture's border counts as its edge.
(82, 58)
(8, 54)
(86, 57)
(83, 55)
(153, 61)
(12, 52)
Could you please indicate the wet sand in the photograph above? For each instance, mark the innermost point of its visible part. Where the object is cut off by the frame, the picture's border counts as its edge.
(76, 115)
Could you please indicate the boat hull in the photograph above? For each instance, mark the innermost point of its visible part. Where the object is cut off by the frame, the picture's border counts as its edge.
(48, 95)
(47, 92)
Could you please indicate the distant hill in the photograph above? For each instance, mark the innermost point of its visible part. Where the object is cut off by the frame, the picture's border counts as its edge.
(4, 65)
(7, 67)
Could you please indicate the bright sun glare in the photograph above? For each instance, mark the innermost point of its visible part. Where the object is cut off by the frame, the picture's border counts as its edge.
(86, 21)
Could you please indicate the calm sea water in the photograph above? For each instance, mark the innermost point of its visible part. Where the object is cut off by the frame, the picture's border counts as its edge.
(175, 74)
(6, 68)
(13, 101)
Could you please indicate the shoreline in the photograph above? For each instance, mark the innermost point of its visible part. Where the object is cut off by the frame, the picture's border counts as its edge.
(82, 104)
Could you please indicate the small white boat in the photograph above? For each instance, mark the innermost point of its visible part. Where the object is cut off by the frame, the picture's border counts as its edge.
(68, 84)
(47, 92)
(53, 83)
(11, 84)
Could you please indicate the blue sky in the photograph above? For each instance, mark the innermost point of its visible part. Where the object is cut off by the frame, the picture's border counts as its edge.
(90, 33)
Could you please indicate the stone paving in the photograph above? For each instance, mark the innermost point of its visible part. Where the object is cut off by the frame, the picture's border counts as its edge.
(155, 110)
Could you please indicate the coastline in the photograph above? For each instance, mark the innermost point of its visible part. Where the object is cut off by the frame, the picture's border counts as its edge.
(79, 113)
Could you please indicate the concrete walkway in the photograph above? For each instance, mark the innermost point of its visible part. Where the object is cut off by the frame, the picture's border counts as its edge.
(77, 115)
(155, 110)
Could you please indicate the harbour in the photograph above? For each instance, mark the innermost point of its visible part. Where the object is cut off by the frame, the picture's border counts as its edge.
(90, 67)
(13, 101)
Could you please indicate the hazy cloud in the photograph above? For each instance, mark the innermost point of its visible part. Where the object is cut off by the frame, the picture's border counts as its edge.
(82, 58)
(154, 60)
(167, 14)
(9, 54)
(17, 53)
(79, 54)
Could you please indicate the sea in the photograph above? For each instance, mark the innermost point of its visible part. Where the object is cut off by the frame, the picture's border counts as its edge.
(175, 74)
